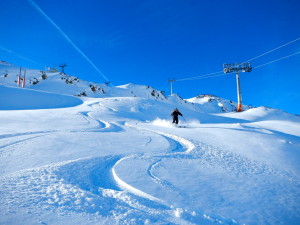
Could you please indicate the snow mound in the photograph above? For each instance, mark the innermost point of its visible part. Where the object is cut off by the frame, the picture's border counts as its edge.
(17, 99)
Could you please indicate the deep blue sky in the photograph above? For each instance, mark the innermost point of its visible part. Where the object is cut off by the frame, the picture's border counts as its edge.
(149, 41)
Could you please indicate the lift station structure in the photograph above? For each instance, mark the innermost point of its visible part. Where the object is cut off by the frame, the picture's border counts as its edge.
(237, 67)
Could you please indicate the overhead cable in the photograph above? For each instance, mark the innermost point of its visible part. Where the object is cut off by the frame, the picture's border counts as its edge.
(297, 39)
(204, 77)
(277, 60)
(200, 76)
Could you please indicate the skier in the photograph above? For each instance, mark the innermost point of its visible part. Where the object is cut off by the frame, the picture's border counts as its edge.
(175, 114)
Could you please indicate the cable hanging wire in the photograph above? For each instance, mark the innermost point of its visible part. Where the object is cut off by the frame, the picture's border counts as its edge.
(204, 77)
(276, 60)
(200, 76)
(223, 74)
(274, 49)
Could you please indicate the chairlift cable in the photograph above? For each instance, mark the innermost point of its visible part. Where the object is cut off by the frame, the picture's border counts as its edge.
(209, 76)
(200, 76)
(297, 39)
(277, 60)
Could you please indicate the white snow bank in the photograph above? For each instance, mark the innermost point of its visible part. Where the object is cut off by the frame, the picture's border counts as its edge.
(17, 99)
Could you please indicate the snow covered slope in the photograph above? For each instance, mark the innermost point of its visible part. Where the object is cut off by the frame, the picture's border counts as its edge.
(78, 152)
(118, 160)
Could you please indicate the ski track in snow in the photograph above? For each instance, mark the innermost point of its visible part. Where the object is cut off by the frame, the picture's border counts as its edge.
(179, 147)
(21, 140)
(99, 125)
(108, 108)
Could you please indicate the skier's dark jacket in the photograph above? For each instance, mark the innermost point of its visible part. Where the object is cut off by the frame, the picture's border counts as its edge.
(175, 114)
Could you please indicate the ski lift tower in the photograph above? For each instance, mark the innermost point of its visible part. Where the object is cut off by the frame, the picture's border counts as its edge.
(62, 68)
(237, 67)
(171, 85)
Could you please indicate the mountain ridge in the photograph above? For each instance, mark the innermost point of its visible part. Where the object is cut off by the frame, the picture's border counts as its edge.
(61, 83)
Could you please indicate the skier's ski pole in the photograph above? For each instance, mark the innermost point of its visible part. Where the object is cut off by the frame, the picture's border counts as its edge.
(185, 120)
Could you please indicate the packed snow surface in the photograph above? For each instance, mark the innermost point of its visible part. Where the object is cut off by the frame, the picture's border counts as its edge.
(119, 160)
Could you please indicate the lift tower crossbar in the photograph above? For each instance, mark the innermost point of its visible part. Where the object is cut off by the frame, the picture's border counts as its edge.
(237, 67)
